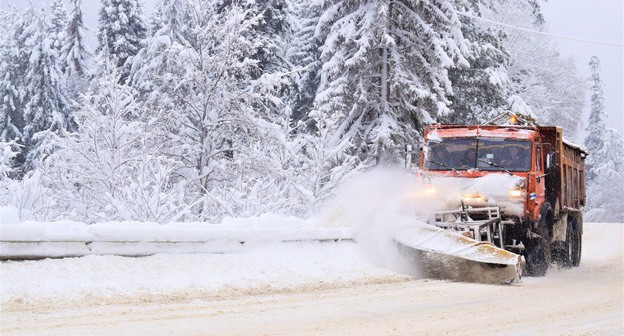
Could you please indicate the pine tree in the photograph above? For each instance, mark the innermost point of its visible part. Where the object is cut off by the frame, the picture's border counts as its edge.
(481, 88)
(10, 129)
(171, 19)
(596, 128)
(547, 94)
(11, 75)
(272, 35)
(121, 32)
(605, 164)
(74, 52)
(16, 53)
(46, 106)
(537, 13)
(382, 74)
(153, 72)
(57, 24)
(385, 72)
(305, 56)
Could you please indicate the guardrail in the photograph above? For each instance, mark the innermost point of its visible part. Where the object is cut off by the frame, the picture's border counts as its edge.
(37, 241)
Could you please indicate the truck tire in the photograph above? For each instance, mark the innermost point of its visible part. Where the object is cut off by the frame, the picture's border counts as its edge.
(564, 254)
(538, 253)
(577, 246)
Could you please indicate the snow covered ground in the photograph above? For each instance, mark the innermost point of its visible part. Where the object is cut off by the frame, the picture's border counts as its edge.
(257, 267)
(266, 267)
(304, 288)
(279, 253)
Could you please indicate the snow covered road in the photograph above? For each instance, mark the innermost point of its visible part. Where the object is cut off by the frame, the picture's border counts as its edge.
(308, 289)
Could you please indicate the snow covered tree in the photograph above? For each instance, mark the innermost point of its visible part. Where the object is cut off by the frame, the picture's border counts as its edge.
(383, 75)
(386, 70)
(33, 91)
(12, 69)
(26, 193)
(605, 164)
(110, 169)
(537, 83)
(538, 17)
(272, 35)
(481, 88)
(121, 32)
(597, 127)
(153, 72)
(46, 106)
(57, 24)
(221, 117)
(171, 19)
(74, 53)
(605, 193)
(305, 56)
(8, 153)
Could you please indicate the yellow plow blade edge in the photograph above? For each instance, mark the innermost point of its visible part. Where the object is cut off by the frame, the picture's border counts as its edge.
(447, 254)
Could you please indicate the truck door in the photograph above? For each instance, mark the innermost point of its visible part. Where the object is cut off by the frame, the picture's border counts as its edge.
(537, 186)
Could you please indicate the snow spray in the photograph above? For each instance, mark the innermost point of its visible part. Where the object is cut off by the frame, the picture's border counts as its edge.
(375, 204)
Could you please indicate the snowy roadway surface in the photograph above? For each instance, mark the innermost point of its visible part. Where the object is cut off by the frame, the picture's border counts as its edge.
(305, 289)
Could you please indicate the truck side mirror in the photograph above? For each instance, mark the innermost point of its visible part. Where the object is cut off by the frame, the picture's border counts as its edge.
(408, 157)
(550, 161)
(412, 157)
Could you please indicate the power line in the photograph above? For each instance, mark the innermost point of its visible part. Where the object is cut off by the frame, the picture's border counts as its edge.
(541, 32)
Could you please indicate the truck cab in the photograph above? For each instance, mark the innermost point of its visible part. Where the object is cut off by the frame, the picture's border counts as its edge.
(483, 151)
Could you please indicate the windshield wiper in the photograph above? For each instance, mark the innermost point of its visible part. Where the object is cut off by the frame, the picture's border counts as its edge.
(495, 165)
(444, 165)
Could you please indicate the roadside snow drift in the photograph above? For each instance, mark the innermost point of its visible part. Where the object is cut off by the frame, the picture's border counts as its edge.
(68, 238)
(265, 268)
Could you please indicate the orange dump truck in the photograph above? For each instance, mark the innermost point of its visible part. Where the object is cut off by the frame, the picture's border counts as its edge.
(519, 187)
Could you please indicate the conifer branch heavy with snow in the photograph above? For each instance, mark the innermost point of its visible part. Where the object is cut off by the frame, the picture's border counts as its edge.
(605, 164)
(225, 108)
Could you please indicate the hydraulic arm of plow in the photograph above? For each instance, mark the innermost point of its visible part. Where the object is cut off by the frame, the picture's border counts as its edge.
(486, 227)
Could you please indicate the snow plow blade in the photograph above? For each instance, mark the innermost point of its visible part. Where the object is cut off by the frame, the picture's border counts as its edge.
(447, 254)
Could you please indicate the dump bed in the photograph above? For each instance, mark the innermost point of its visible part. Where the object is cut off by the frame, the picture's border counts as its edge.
(565, 183)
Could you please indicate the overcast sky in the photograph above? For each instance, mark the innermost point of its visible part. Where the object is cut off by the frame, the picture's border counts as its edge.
(600, 20)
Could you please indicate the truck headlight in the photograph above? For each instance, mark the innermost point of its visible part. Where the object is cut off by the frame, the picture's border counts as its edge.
(520, 183)
(431, 191)
(474, 197)
(515, 193)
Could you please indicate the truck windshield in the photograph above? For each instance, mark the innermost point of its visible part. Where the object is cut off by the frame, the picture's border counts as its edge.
(481, 153)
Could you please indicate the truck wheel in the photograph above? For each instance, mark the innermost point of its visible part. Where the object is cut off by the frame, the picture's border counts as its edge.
(538, 252)
(564, 254)
(577, 245)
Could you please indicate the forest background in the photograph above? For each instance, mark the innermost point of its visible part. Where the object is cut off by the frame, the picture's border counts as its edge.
(215, 108)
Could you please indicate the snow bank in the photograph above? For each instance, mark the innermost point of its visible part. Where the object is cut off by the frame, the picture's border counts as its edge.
(266, 227)
(69, 238)
(266, 268)
(9, 215)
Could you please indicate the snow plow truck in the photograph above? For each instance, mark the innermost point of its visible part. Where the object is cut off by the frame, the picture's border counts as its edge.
(509, 193)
